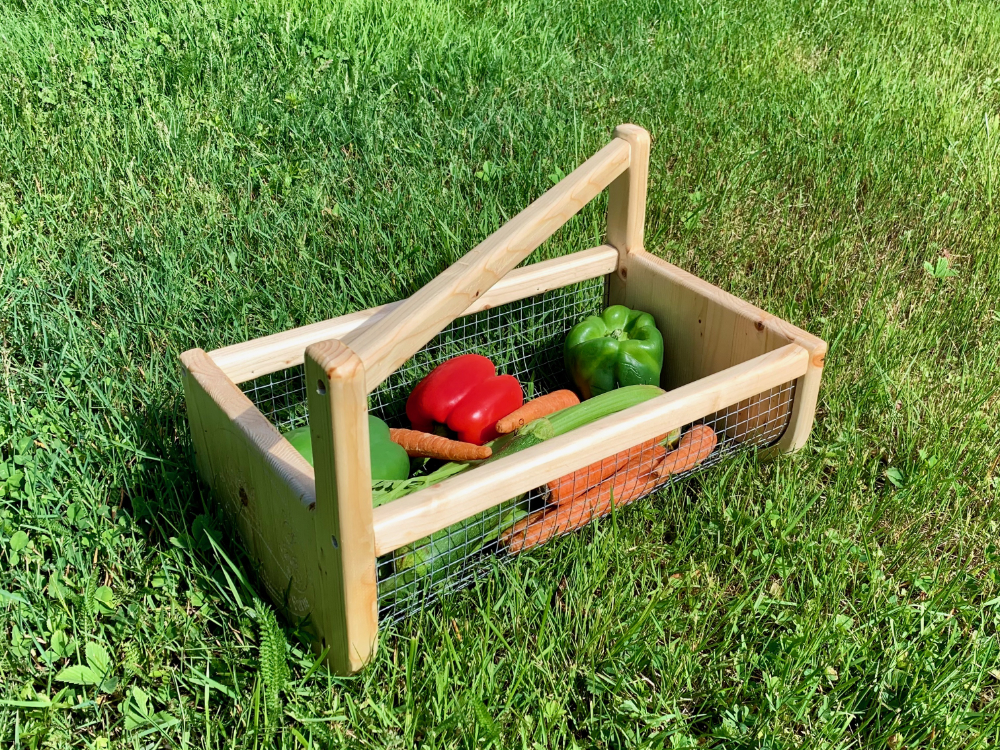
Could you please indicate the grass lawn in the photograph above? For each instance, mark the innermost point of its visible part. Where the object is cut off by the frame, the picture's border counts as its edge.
(177, 173)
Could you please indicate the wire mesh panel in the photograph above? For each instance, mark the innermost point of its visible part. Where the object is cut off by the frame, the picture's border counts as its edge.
(457, 555)
(523, 338)
(281, 397)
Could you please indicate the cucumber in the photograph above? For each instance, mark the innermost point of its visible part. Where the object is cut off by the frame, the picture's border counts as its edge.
(572, 417)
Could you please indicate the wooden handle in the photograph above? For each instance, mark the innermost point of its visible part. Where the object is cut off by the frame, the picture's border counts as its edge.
(388, 342)
(251, 359)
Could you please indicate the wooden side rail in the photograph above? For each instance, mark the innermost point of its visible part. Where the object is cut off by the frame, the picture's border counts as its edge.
(338, 425)
(415, 516)
(386, 344)
(706, 329)
(261, 482)
(262, 356)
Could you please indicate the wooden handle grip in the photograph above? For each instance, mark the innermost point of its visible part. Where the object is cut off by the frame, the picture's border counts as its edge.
(388, 342)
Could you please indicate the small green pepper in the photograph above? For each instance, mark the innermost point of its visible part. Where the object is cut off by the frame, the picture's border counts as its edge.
(620, 347)
(389, 461)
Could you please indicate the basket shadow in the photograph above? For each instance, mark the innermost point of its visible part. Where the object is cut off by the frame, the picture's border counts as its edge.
(171, 506)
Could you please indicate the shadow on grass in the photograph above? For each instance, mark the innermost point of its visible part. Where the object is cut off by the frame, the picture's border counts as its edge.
(183, 520)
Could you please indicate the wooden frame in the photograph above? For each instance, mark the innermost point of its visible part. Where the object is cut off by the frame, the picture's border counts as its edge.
(314, 531)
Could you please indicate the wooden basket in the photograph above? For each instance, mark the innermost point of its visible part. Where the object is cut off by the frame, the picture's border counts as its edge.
(322, 548)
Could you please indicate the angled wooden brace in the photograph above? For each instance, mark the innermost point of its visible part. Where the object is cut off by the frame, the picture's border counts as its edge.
(341, 373)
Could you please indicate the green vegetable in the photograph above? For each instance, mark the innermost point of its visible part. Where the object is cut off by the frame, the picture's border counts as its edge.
(386, 491)
(621, 347)
(572, 417)
(430, 560)
(389, 461)
(302, 442)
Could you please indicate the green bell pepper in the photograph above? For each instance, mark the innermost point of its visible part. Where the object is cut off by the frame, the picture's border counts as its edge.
(620, 347)
(389, 461)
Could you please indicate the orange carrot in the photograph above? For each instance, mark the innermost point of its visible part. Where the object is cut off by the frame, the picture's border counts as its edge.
(644, 470)
(629, 483)
(639, 476)
(536, 408)
(563, 488)
(696, 445)
(425, 445)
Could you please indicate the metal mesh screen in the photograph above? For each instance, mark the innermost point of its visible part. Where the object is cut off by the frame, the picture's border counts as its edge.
(453, 557)
(524, 339)
(281, 397)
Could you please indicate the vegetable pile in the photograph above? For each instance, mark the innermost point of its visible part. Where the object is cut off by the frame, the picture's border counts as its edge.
(466, 396)
(464, 414)
(591, 492)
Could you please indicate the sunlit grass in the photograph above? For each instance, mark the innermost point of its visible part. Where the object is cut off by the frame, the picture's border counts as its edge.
(178, 174)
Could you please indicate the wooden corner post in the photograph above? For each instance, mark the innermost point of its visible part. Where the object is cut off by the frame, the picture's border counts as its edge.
(803, 415)
(347, 621)
(627, 204)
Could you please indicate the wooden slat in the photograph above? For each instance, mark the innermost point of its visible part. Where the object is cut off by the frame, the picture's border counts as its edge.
(338, 424)
(804, 405)
(199, 405)
(261, 356)
(260, 480)
(627, 197)
(733, 328)
(422, 513)
(387, 344)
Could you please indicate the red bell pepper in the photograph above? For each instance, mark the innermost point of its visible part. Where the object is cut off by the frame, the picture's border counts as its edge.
(466, 395)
